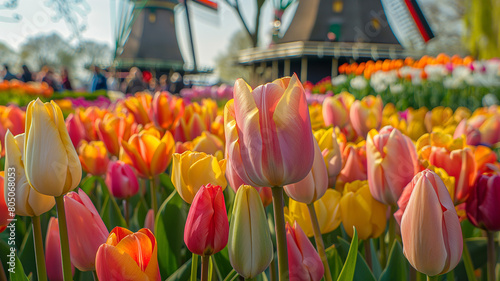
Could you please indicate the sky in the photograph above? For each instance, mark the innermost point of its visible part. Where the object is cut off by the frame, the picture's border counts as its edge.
(212, 32)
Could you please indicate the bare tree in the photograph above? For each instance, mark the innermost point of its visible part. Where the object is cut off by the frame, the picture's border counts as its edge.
(254, 35)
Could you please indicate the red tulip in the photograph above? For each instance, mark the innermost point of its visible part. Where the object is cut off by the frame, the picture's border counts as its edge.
(207, 227)
(482, 206)
(303, 260)
(4, 211)
(85, 229)
(128, 256)
(75, 128)
(121, 180)
(53, 252)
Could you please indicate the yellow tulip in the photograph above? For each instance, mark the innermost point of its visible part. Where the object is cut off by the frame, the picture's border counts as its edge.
(191, 170)
(29, 202)
(327, 209)
(208, 143)
(51, 162)
(327, 141)
(358, 208)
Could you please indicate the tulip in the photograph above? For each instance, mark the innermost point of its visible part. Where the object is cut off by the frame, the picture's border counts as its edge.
(149, 222)
(121, 180)
(13, 119)
(88, 118)
(303, 260)
(192, 170)
(327, 210)
(75, 129)
(112, 130)
(354, 159)
(51, 163)
(29, 202)
(472, 135)
(438, 117)
(53, 252)
(128, 256)
(490, 130)
(250, 247)
(482, 205)
(139, 106)
(207, 227)
(149, 154)
(268, 132)
(430, 230)
(366, 114)
(86, 229)
(314, 185)
(327, 141)
(4, 211)
(316, 116)
(391, 163)
(442, 151)
(208, 143)
(166, 109)
(93, 157)
(358, 208)
(336, 109)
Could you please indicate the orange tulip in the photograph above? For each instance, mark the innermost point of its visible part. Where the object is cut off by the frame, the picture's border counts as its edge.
(112, 129)
(149, 154)
(4, 211)
(139, 106)
(166, 109)
(128, 256)
(94, 157)
(88, 117)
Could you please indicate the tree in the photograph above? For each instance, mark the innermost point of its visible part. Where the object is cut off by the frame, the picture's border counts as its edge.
(50, 50)
(254, 35)
(7, 55)
(482, 34)
(227, 64)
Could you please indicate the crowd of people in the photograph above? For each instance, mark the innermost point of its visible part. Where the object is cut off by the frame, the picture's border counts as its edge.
(129, 82)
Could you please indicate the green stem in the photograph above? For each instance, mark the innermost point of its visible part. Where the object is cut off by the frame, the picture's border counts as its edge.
(204, 267)
(368, 253)
(420, 275)
(63, 233)
(491, 255)
(154, 203)
(450, 276)
(210, 268)
(94, 273)
(320, 245)
(383, 254)
(194, 268)
(40, 258)
(392, 226)
(126, 211)
(3, 277)
(279, 224)
(272, 270)
(432, 278)
(98, 193)
(469, 267)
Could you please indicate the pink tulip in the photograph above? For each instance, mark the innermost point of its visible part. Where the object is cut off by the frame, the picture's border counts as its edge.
(303, 260)
(391, 163)
(430, 229)
(366, 114)
(482, 206)
(53, 252)
(314, 185)
(354, 159)
(472, 135)
(207, 227)
(85, 229)
(268, 132)
(149, 222)
(121, 180)
(336, 109)
(75, 128)
(13, 118)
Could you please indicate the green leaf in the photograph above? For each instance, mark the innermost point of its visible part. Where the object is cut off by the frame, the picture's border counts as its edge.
(334, 261)
(110, 211)
(362, 272)
(376, 267)
(397, 266)
(222, 261)
(17, 273)
(347, 273)
(169, 232)
(182, 273)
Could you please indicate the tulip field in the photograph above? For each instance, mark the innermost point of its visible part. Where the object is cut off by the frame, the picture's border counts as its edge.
(344, 180)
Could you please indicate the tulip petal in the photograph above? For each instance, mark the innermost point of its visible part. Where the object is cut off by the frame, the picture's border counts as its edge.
(114, 264)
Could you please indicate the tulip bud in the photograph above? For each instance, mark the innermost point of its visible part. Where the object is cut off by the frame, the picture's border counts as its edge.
(327, 141)
(207, 227)
(29, 202)
(327, 210)
(303, 260)
(4, 211)
(336, 109)
(250, 247)
(128, 256)
(53, 252)
(93, 157)
(482, 205)
(314, 185)
(430, 230)
(472, 135)
(354, 159)
(149, 154)
(391, 163)
(75, 128)
(191, 170)
(139, 106)
(51, 163)
(208, 143)
(166, 109)
(268, 131)
(113, 129)
(121, 180)
(86, 229)
(366, 114)
(358, 208)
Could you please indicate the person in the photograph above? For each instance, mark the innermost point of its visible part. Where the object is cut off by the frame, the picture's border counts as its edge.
(26, 76)
(98, 80)
(176, 83)
(135, 82)
(113, 82)
(50, 79)
(8, 76)
(164, 82)
(66, 84)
